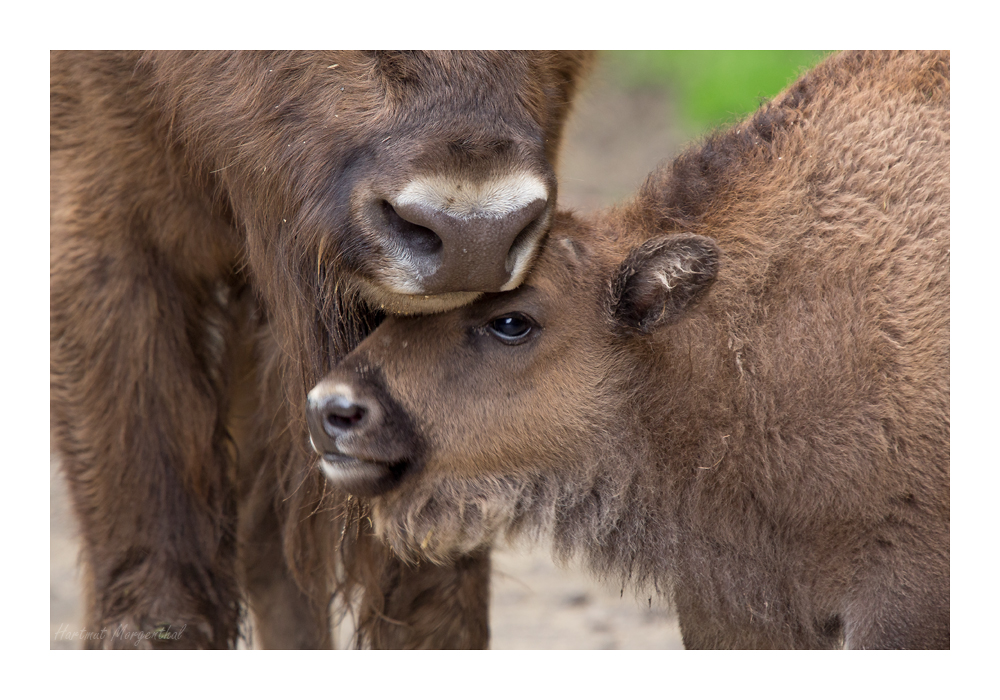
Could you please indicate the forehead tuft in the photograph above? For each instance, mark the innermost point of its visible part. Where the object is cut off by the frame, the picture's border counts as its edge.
(562, 265)
(570, 249)
(567, 250)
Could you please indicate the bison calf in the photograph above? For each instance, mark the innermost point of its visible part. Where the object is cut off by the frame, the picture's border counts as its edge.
(732, 390)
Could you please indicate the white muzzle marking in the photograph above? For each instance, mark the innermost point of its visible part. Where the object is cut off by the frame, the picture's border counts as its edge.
(494, 198)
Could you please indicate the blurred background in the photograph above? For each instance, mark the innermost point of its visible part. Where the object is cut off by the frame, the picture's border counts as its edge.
(639, 108)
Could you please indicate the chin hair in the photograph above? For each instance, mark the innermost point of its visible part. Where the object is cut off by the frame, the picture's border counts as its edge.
(583, 510)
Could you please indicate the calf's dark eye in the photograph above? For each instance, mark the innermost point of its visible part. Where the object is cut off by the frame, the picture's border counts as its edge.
(511, 328)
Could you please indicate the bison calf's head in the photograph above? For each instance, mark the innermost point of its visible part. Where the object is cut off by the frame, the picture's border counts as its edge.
(458, 421)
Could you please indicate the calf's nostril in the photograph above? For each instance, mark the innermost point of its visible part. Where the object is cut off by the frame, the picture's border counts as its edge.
(341, 415)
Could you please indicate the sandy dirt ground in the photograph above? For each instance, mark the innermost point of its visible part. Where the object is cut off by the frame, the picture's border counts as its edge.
(614, 139)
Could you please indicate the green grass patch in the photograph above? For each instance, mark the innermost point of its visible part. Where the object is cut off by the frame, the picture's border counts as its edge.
(712, 87)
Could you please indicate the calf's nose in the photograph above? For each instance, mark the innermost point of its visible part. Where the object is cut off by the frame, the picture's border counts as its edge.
(335, 413)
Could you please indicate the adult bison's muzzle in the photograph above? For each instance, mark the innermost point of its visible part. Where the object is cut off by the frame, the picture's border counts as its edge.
(442, 241)
(460, 252)
(366, 441)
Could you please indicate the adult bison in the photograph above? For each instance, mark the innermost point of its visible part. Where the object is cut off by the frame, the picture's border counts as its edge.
(225, 227)
(732, 389)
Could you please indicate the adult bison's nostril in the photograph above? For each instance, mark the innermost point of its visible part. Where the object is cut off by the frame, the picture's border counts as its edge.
(414, 238)
(521, 249)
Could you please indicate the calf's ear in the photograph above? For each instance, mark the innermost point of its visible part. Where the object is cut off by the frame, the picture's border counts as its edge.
(660, 279)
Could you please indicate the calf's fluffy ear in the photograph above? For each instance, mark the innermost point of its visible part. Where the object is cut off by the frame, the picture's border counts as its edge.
(660, 279)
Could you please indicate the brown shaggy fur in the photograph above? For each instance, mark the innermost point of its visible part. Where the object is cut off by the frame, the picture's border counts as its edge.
(732, 390)
(211, 257)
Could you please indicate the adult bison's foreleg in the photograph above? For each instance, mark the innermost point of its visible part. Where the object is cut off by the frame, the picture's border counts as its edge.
(285, 615)
(136, 407)
(290, 610)
(426, 606)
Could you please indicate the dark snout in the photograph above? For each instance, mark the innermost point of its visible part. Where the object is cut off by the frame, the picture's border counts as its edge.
(335, 415)
(366, 441)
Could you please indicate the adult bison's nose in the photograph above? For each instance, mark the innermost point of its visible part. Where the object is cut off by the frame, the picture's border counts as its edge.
(462, 237)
